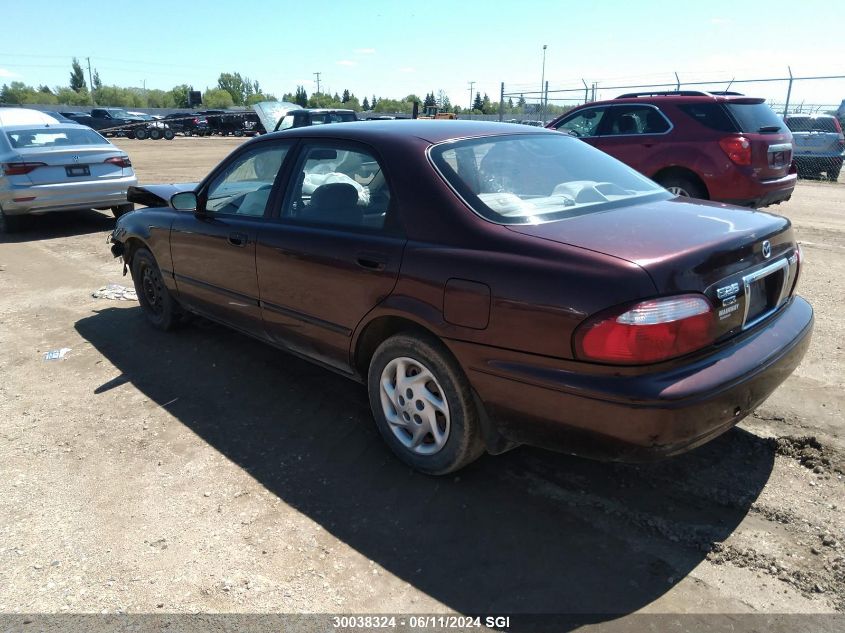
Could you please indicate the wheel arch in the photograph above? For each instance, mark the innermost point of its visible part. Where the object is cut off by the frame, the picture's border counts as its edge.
(678, 171)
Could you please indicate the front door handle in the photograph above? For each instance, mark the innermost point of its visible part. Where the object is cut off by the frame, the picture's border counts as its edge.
(238, 239)
(371, 261)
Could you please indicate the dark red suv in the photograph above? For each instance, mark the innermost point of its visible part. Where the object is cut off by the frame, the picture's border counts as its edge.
(716, 146)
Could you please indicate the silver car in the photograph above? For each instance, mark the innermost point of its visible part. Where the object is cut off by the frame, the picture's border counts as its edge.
(48, 166)
(819, 144)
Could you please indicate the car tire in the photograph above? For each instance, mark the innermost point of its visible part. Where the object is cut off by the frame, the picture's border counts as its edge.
(833, 173)
(161, 310)
(238, 132)
(436, 394)
(10, 223)
(155, 134)
(187, 132)
(168, 135)
(682, 186)
(140, 134)
(122, 209)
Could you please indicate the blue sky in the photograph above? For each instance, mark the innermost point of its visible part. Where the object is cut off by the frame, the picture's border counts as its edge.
(393, 48)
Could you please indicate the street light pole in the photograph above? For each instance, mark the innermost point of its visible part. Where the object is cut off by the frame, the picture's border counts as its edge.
(542, 86)
(471, 84)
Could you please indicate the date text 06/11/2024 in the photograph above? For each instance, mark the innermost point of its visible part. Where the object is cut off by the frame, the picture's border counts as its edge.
(420, 621)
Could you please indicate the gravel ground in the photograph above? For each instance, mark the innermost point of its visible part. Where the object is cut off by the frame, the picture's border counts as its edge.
(202, 471)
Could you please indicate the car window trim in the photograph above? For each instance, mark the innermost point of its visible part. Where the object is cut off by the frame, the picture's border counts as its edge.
(639, 105)
(391, 225)
(281, 177)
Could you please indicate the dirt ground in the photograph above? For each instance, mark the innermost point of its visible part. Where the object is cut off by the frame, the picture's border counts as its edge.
(202, 471)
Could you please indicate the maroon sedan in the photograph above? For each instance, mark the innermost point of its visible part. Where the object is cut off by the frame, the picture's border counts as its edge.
(491, 284)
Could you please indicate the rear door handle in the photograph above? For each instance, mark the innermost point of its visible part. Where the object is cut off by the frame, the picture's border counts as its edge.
(371, 261)
(238, 239)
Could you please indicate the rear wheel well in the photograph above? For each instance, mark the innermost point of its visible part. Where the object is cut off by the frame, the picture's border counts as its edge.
(681, 172)
(378, 331)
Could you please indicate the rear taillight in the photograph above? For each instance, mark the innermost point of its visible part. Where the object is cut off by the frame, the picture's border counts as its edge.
(19, 169)
(120, 161)
(837, 125)
(196, 121)
(738, 149)
(648, 332)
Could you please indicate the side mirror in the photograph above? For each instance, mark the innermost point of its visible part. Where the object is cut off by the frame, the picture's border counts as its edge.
(184, 201)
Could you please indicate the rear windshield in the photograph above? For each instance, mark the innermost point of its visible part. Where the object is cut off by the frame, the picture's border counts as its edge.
(54, 137)
(535, 178)
(811, 124)
(755, 117)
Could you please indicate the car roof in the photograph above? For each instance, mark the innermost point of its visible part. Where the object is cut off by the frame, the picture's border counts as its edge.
(432, 131)
(682, 97)
(24, 116)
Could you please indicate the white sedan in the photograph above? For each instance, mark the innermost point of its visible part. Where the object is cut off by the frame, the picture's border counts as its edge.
(48, 166)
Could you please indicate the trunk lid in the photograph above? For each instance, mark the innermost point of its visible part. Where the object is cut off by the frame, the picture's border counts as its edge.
(61, 162)
(771, 140)
(693, 247)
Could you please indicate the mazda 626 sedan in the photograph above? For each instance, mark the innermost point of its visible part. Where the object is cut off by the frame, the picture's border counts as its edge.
(491, 284)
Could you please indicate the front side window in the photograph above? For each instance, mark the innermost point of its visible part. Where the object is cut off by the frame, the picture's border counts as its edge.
(535, 178)
(634, 119)
(243, 188)
(340, 187)
(584, 123)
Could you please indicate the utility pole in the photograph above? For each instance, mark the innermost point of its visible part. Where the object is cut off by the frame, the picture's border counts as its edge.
(542, 84)
(90, 80)
(318, 81)
(471, 84)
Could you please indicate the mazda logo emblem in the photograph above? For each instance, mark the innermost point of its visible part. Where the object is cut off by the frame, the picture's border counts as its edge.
(767, 249)
(75, 159)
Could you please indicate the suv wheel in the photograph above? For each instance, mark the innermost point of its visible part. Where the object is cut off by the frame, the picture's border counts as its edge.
(122, 209)
(423, 405)
(682, 186)
(10, 223)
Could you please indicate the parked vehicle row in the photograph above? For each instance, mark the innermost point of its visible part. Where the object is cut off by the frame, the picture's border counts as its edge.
(492, 284)
(47, 165)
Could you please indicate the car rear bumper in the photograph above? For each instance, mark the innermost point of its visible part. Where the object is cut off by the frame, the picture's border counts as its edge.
(615, 415)
(762, 193)
(36, 199)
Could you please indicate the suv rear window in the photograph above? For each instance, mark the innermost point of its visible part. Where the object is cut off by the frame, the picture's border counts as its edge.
(711, 115)
(811, 124)
(755, 117)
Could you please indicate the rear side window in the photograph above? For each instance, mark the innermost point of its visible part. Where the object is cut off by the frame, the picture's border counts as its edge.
(710, 115)
(755, 117)
(811, 124)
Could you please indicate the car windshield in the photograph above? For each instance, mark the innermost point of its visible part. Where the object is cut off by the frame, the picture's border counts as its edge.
(535, 178)
(54, 137)
(811, 124)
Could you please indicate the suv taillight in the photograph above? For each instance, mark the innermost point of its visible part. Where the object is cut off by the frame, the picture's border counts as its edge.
(837, 125)
(120, 161)
(647, 332)
(19, 169)
(738, 149)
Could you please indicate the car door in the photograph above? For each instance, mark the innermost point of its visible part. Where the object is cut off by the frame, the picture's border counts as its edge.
(332, 254)
(213, 250)
(634, 134)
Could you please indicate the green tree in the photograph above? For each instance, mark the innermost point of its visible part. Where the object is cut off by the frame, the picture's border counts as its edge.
(15, 93)
(258, 97)
(77, 76)
(179, 94)
(301, 97)
(345, 97)
(239, 87)
(486, 106)
(95, 81)
(429, 100)
(160, 99)
(373, 103)
(45, 89)
(68, 96)
(217, 98)
(477, 104)
(353, 104)
(521, 103)
(366, 104)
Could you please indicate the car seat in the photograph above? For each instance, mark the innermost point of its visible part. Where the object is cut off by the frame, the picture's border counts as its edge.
(627, 124)
(335, 203)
